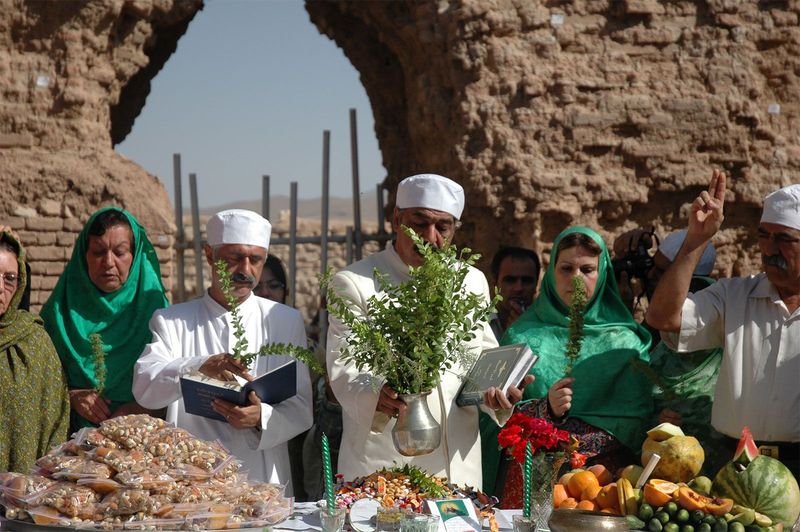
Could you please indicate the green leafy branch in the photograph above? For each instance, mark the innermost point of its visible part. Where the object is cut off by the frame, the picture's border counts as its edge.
(99, 358)
(413, 331)
(425, 484)
(576, 308)
(239, 351)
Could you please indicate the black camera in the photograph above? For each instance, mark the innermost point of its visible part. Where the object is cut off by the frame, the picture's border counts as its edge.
(637, 262)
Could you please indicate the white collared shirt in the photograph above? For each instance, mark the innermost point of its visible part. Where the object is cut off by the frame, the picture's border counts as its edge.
(759, 379)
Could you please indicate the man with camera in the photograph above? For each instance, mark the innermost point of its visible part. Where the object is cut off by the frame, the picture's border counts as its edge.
(756, 320)
(515, 274)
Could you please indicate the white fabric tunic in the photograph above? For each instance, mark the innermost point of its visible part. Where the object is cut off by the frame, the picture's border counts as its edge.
(759, 379)
(186, 335)
(363, 451)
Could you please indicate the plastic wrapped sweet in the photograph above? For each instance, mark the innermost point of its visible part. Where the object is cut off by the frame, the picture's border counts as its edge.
(82, 468)
(136, 473)
(132, 431)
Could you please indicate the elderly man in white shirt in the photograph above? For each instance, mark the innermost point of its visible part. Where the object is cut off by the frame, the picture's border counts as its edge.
(756, 319)
(198, 336)
(430, 205)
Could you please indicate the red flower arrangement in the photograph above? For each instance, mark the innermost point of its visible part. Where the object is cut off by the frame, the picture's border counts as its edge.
(543, 436)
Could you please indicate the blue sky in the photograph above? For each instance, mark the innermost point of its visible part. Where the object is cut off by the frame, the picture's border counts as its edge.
(249, 90)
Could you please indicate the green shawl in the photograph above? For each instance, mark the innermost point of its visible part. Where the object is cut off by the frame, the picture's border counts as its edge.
(77, 309)
(609, 391)
(34, 405)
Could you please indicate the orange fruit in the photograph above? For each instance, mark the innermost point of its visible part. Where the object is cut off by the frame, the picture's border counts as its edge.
(588, 505)
(564, 480)
(612, 511)
(603, 475)
(590, 493)
(580, 481)
(659, 492)
(607, 498)
(559, 495)
(569, 503)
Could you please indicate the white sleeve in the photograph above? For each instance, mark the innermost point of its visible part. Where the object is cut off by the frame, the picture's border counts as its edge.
(157, 373)
(357, 392)
(285, 420)
(702, 321)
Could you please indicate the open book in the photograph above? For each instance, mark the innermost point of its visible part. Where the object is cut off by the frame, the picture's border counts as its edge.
(272, 387)
(501, 367)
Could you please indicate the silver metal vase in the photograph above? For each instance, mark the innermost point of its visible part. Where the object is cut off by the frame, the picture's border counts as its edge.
(416, 431)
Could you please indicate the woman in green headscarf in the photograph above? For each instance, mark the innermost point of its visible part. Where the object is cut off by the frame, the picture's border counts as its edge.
(34, 407)
(607, 401)
(108, 291)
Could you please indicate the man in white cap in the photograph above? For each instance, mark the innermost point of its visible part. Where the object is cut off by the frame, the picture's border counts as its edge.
(755, 319)
(198, 336)
(431, 206)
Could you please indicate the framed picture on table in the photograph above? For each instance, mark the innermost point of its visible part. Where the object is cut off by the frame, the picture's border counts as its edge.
(456, 515)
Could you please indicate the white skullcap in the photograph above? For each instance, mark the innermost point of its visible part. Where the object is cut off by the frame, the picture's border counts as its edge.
(431, 191)
(782, 207)
(672, 243)
(238, 226)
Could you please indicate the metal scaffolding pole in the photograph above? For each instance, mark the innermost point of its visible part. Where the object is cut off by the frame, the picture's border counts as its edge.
(293, 244)
(356, 183)
(196, 238)
(179, 293)
(265, 196)
(326, 179)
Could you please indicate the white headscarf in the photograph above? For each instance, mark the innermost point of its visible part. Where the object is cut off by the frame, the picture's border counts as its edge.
(782, 207)
(431, 191)
(238, 226)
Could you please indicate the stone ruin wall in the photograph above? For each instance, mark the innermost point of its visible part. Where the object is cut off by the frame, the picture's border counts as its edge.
(73, 77)
(608, 113)
(550, 113)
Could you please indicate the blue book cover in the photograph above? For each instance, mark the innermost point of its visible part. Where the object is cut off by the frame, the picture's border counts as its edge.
(272, 387)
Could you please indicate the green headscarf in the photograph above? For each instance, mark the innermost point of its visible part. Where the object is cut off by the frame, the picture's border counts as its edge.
(34, 405)
(609, 391)
(77, 309)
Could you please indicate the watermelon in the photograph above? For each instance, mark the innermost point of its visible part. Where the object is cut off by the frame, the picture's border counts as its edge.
(759, 482)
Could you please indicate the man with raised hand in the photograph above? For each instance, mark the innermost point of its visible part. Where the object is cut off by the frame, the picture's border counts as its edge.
(199, 336)
(431, 206)
(756, 320)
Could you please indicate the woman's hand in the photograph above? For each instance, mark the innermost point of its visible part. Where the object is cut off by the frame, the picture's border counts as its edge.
(130, 408)
(90, 405)
(669, 416)
(559, 397)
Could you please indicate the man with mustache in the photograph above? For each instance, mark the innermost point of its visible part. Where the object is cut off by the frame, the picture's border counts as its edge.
(431, 206)
(198, 336)
(755, 319)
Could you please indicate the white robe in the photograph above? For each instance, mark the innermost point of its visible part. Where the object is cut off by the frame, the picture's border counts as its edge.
(362, 451)
(186, 335)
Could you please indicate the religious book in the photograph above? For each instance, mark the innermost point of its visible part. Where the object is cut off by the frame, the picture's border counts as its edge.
(501, 367)
(272, 387)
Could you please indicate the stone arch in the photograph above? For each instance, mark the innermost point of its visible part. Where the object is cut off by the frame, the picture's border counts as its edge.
(609, 114)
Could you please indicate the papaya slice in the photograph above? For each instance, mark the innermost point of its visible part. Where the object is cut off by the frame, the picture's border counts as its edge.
(719, 506)
(659, 492)
(691, 500)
